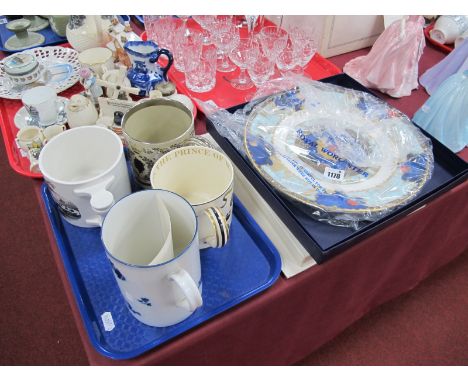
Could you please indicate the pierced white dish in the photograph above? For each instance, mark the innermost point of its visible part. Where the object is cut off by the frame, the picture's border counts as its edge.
(60, 71)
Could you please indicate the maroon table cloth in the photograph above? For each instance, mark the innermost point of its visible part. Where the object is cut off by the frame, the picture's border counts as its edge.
(296, 316)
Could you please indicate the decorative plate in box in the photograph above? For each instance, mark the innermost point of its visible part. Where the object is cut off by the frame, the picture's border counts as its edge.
(342, 152)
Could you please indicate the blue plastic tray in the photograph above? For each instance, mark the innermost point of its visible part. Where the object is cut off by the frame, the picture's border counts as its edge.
(247, 265)
(51, 38)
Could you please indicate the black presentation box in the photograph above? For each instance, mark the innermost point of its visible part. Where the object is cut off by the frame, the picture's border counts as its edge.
(322, 240)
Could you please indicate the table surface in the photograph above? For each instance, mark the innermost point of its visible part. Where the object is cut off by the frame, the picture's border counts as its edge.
(296, 316)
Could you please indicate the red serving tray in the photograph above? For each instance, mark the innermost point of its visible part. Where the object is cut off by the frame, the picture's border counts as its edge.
(225, 96)
(8, 109)
(443, 47)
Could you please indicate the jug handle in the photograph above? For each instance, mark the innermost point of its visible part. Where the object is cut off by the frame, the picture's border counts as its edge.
(170, 60)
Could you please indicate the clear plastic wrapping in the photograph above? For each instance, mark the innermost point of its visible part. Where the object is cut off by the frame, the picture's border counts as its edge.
(344, 155)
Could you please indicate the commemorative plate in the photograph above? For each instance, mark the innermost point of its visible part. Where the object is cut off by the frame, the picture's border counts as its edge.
(337, 150)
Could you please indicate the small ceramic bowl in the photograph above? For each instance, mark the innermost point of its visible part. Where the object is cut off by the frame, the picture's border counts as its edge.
(22, 68)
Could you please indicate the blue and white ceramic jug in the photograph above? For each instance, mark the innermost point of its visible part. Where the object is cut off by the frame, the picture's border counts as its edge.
(145, 72)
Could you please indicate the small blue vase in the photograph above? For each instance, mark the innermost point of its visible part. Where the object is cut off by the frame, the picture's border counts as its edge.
(145, 72)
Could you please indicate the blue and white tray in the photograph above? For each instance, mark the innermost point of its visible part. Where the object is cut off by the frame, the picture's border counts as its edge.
(247, 265)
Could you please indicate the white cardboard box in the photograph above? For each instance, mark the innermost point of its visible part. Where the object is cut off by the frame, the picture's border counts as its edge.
(339, 34)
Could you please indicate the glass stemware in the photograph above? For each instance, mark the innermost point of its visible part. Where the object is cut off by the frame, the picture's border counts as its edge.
(273, 40)
(151, 22)
(200, 71)
(205, 21)
(186, 41)
(184, 19)
(304, 44)
(226, 38)
(163, 31)
(243, 55)
(260, 70)
(287, 60)
(277, 20)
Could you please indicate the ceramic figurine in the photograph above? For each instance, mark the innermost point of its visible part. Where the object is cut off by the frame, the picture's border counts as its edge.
(392, 64)
(89, 81)
(120, 35)
(120, 54)
(117, 84)
(146, 73)
(81, 111)
(445, 114)
(455, 62)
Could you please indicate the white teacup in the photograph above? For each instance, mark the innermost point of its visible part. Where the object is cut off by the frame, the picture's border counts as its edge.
(203, 176)
(99, 60)
(52, 131)
(86, 173)
(448, 28)
(42, 104)
(157, 293)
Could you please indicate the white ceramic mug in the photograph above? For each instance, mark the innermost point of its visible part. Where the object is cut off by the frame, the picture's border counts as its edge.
(42, 104)
(152, 128)
(164, 293)
(205, 177)
(99, 60)
(86, 173)
(448, 28)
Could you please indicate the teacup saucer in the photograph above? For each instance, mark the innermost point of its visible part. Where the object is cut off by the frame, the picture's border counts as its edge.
(22, 118)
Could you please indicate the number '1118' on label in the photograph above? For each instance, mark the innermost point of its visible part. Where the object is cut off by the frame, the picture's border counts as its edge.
(334, 174)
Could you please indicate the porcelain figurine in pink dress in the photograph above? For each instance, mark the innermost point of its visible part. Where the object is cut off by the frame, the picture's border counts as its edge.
(392, 64)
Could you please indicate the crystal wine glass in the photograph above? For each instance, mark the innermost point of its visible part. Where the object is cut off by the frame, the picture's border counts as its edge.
(273, 40)
(243, 55)
(205, 21)
(287, 60)
(226, 38)
(260, 70)
(304, 44)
